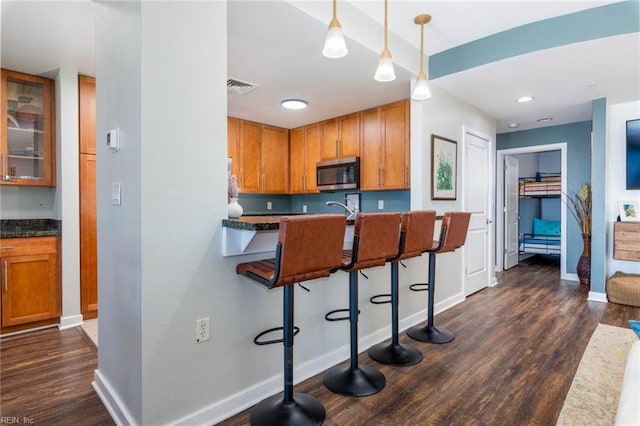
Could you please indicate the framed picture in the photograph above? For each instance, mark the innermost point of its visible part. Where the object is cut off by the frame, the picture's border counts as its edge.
(444, 168)
(629, 211)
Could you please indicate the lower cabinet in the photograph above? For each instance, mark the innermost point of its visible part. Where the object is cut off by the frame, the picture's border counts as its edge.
(30, 282)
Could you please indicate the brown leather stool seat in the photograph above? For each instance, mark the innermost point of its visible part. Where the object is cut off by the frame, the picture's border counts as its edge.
(416, 236)
(376, 239)
(453, 234)
(309, 247)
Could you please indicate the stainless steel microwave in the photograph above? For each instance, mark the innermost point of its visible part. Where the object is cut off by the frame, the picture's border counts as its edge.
(343, 173)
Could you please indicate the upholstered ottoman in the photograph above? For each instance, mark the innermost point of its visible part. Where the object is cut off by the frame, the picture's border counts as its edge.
(624, 289)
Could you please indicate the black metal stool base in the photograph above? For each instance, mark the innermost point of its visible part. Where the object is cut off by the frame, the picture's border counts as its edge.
(395, 354)
(430, 334)
(304, 410)
(361, 381)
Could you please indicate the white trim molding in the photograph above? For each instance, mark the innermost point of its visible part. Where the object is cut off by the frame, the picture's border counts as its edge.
(70, 322)
(594, 296)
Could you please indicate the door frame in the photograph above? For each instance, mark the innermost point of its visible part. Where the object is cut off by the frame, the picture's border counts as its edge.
(500, 154)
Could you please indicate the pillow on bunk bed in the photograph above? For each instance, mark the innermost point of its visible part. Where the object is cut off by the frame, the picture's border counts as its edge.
(546, 227)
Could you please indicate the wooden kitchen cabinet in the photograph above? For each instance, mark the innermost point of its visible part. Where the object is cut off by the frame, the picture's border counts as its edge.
(260, 155)
(275, 160)
(27, 142)
(385, 148)
(30, 281)
(304, 153)
(88, 210)
(340, 137)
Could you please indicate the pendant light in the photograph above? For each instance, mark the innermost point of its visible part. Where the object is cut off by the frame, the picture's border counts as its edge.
(334, 45)
(421, 90)
(385, 66)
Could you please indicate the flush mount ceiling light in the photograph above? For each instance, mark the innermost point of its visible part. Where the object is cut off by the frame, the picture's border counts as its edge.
(334, 45)
(421, 90)
(513, 125)
(385, 66)
(524, 99)
(294, 104)
(544, 120)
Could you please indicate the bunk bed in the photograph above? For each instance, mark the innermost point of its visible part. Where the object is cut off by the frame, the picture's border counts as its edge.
(546, 235)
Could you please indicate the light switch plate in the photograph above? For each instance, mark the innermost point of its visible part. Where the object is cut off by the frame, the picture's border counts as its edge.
(116, 193)
(113, 140)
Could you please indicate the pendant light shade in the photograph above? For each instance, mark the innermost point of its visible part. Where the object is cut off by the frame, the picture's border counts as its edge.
(334, 45)
(421, 90)
(385, 70)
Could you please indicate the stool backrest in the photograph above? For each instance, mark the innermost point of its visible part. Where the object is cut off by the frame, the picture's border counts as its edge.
(418, 227)
(456, 225)
(376, 239)
(311, 246)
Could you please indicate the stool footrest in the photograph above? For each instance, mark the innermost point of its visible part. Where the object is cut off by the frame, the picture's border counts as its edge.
(259, 342)
(419, 287)
(375, 301)
(329, 317)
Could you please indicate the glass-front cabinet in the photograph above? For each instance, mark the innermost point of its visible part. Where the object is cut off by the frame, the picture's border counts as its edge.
(27, 143)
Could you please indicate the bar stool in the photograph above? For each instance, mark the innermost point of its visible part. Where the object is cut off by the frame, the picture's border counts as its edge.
(309, 247)
(416, 236)
(453, 233)
(376, 239)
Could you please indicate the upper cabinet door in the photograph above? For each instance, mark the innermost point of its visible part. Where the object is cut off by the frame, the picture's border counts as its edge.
(87, 111)
(329, 139)
(275, 160)
(27, 147)
(395, 154)
(349, 142)
(250, 157)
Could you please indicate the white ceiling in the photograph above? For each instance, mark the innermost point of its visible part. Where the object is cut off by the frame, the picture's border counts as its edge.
(277, 45)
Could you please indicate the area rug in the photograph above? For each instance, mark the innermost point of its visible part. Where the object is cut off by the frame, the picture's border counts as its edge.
(595, 390)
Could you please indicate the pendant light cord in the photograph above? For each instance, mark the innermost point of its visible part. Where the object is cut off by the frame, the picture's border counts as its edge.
(422, 48)
(334, 9)
(385, 25)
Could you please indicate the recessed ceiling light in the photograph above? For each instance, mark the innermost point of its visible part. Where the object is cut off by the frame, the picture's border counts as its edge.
(544, 120)
(524, 99)
(294, 104)
(513, 125)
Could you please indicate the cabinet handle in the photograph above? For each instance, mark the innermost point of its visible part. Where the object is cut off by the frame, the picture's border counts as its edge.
(4, 175)
(406, 176)
(6, 277)
(304, 183)
(263, 187)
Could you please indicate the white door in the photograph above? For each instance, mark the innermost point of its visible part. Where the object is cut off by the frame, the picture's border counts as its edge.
(510, 212)
(477, 202)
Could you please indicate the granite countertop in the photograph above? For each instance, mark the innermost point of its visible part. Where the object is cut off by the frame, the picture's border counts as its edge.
(24, 228)
(258, 223)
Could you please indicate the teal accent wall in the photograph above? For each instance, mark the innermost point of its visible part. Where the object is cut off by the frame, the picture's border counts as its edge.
(598, 188)
(605, 21)
(256, 204)
(577, 136)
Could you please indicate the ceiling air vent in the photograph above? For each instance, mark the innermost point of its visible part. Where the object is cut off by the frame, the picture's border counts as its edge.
(240, 87)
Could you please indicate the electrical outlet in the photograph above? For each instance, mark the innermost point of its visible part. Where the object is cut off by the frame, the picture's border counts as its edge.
(304, 208)
(202, 330)
(269, 205)
(380, 204)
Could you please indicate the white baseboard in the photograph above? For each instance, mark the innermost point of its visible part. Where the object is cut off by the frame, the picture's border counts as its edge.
(111, 400)
(70, 322)
(597, 297)
(246, 398)
(571, 277)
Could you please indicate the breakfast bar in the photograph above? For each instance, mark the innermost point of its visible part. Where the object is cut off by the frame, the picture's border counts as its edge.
(258, 234)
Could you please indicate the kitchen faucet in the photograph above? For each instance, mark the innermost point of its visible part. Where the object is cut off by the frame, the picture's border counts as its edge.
(351, 214)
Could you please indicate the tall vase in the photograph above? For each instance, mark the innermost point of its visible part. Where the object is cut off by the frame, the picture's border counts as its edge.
(584, 262)
(234, 210)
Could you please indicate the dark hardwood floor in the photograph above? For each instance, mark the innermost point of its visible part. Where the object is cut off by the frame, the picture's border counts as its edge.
(516, 350)
(45, 378)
